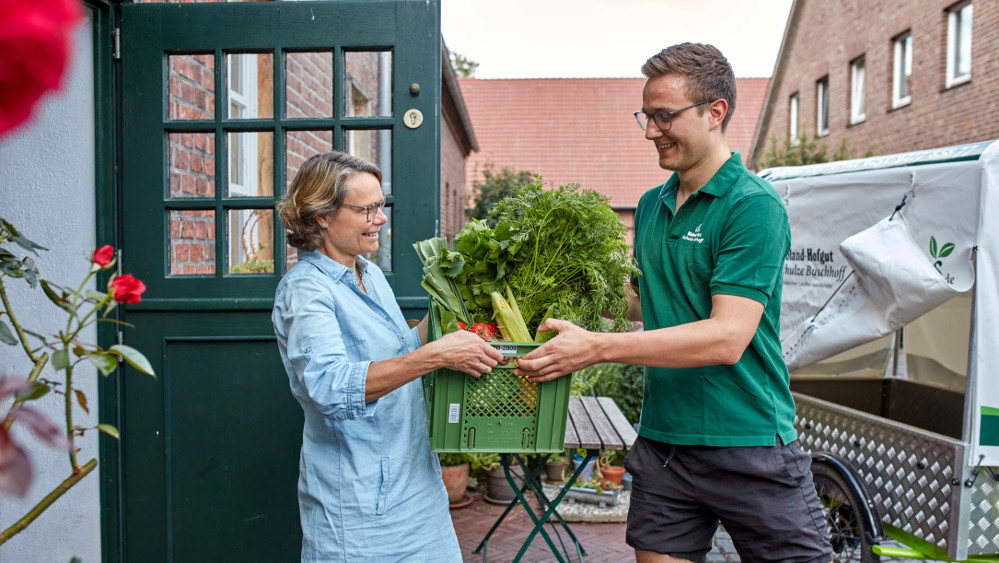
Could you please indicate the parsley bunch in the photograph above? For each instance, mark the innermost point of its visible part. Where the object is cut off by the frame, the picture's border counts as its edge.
(561, 251)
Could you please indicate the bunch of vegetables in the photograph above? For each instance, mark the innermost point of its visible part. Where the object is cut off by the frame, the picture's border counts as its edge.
(553, 253)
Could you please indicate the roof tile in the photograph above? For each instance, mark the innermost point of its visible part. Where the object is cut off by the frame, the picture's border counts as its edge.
(580, 130)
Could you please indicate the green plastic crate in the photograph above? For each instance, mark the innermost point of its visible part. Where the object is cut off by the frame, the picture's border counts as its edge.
(498, 412)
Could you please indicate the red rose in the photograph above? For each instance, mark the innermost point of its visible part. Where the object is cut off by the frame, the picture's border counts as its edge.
(104, 255)
(127, 289)
(35, 39)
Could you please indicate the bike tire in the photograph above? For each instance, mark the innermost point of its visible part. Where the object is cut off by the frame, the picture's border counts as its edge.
(847, 533)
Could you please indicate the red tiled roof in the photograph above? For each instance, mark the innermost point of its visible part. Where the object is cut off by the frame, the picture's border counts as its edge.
(580, 130)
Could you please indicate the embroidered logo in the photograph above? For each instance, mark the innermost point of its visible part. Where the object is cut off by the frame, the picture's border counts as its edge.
(694, 236)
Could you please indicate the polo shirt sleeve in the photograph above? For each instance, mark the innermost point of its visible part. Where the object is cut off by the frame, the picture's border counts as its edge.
(752, 249)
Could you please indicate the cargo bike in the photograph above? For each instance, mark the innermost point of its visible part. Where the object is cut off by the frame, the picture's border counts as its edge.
(890, 327)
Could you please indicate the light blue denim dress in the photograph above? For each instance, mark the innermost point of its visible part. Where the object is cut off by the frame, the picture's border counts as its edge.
(369, 488)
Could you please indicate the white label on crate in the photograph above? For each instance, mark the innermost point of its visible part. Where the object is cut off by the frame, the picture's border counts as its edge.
(507, 349)
(452, 413)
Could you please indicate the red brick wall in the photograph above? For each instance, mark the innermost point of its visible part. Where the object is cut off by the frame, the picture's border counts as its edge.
(452, 182)
(829, 35)
(192, 164)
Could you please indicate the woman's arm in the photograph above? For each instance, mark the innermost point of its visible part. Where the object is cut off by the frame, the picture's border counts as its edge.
(460, 351)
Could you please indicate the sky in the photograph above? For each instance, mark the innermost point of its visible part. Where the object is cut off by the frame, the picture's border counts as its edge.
(608, 38)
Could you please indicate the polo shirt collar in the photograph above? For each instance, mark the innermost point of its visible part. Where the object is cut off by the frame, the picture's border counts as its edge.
(717, 186)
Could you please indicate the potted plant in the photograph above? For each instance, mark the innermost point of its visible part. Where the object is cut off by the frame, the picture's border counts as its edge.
(455, 470)
(595, 490)
(609, 471)
(487, 468)
(555, 468)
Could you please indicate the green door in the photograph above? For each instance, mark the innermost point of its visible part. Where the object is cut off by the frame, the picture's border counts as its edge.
(221, 103)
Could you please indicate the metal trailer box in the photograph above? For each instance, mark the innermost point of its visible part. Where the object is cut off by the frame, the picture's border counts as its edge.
(890, 327)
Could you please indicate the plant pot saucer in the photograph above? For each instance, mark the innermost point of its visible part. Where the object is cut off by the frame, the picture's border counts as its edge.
(501, 502)
(466, 500)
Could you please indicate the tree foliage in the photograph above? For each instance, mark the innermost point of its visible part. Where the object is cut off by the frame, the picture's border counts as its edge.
(805, 151)
(494, 187)
(462, 65)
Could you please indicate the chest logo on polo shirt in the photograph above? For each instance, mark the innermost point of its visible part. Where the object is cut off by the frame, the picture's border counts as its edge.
(694, 236)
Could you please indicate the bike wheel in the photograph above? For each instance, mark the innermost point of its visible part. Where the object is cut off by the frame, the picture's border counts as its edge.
(840, 504)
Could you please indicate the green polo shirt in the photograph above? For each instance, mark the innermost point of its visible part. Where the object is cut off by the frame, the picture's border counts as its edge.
(730, 237)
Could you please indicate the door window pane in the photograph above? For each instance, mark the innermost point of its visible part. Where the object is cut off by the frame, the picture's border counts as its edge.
(303, 145)
(192, 164)
(367, 84)
(309, 84)
(251, 237)
(192, 87)
(373, 145)
(251, 85)
(251, 164)
(192, 242)
(383, 256)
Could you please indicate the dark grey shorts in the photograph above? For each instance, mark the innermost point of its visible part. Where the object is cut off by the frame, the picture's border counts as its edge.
(764, 496)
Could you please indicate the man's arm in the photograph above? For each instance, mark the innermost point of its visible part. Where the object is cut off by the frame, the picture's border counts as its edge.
(720, 339)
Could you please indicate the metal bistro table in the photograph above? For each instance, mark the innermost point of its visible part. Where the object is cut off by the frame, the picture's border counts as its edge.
(595, 423)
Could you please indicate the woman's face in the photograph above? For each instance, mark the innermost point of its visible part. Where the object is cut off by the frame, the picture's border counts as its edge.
(348, 233)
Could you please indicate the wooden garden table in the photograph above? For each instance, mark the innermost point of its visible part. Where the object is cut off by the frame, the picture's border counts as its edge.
(595, 424)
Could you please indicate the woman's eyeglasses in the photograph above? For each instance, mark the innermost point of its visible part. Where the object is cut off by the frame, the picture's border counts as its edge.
(369, 210)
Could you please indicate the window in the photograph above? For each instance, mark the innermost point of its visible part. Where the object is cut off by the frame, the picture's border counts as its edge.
(792, 120)
(858, 91)
(959, 44)
(902, 74)
(822, 106)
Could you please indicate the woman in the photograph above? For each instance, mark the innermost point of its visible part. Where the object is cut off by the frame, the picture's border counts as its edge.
(369, 487)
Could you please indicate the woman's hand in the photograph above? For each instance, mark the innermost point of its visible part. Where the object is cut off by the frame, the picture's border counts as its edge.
(467, 352)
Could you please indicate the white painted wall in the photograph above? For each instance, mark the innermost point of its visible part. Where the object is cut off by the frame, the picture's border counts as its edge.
(47, 191)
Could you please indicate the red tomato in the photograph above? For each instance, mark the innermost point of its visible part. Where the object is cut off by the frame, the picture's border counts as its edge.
(488, 331)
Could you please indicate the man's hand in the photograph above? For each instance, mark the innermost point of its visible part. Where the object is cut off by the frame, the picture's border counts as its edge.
(571, 350)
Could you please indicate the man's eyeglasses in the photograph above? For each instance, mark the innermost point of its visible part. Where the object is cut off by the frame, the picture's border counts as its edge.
(663, 119)
(369, 210)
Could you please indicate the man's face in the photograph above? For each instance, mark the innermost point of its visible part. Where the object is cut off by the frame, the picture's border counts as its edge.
(686, 142)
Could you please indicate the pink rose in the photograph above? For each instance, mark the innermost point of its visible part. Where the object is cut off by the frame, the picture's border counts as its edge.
(35, 39)
(127, 289)
(104, 255)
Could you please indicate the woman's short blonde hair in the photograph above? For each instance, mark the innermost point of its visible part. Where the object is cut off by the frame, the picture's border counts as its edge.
(318, 189)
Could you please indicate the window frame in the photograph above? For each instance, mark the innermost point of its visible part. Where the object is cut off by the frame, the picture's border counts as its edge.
(858, 90)
(960, 17)
(822, 106)
(902, 48)
(794, 119)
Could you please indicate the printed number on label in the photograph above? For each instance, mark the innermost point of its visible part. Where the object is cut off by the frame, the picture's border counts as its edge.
(453, 411)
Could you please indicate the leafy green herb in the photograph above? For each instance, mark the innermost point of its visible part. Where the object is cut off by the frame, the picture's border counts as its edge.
(561, 250)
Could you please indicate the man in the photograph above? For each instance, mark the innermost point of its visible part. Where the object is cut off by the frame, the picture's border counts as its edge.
(716, 439)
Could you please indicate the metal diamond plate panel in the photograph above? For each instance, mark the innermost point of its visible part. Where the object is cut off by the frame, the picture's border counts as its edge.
(908, 471)
(983, 520)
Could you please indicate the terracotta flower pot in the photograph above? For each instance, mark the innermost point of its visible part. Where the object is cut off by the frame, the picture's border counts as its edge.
(455, 481)
(612, 473)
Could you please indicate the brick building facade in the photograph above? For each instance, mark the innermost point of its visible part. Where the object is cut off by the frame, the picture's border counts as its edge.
(882, 78)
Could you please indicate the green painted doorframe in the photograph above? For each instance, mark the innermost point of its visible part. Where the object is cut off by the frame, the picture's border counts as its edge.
(208, 460)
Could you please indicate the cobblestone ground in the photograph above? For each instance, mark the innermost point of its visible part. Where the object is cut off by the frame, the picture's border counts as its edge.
(603, 542)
